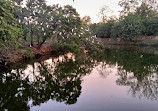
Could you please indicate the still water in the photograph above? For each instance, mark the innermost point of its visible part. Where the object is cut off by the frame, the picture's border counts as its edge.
(116, 80)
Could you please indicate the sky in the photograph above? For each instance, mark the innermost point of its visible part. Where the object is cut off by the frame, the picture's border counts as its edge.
(89, 7)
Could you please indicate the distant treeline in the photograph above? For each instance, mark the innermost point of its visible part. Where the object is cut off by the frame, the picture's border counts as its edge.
(135, 21)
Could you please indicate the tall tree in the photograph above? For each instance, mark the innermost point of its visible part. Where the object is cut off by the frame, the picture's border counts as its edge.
(35, 10)
(104, 14)
(10, 31)
(86, 20)
(129, 6)
(149, 18)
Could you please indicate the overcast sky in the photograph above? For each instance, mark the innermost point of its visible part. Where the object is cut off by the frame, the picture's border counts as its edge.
(89, 7)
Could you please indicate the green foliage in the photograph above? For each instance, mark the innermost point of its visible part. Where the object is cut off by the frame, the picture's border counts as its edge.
(130, 27)
(150, 26)
(149, 18)
(136, 19)
(40, 22)
(102, 31)
(55, 22)
(28, 54)
(93, 45)
(10, 31)
(115, 31)
(73, 47)
(92, 28)
(72, 34)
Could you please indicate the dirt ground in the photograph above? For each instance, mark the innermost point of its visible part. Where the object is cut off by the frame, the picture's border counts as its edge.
(19, 55)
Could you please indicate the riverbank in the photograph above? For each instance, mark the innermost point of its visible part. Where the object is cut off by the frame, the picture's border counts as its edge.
(141, 41)
(25, 52)
(142, 49)
(146, 44)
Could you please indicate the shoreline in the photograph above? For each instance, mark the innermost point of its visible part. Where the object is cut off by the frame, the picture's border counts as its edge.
(144, 44)
(141, 41)
(26, 54)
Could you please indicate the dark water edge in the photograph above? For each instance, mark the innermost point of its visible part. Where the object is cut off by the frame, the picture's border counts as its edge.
(138, 48)
(120, 79)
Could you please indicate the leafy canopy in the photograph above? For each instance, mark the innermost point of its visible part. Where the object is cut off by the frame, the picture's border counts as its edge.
(10, 31)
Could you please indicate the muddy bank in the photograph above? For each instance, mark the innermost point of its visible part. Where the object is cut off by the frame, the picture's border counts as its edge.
(143, 49)
(25, 52)
(141, 41)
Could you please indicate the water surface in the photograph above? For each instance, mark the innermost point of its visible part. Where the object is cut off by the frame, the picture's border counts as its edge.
(116, 80)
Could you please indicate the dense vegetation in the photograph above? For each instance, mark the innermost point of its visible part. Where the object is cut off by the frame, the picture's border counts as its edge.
(10, 30)
(137, 18)
(36, 23)
(60, 81)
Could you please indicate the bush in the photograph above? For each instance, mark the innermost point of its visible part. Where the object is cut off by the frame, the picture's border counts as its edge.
(28, 54)
(70, 47)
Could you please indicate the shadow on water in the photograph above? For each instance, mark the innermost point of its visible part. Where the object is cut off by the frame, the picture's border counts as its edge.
(60, 78)
(55, 78)
(137, 70)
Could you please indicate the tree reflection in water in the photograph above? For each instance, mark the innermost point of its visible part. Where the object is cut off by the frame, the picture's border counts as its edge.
(60, 78)
(137, 70)
(56, 78)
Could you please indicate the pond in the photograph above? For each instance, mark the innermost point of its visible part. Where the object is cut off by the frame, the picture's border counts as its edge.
(116, 80)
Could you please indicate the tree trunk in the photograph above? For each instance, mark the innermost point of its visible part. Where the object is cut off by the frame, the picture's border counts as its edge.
(31, 34)
(39, 46)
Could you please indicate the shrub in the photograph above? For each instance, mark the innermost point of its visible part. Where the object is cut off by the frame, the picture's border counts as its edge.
(70, 47)
(73, 47)
(28, 54)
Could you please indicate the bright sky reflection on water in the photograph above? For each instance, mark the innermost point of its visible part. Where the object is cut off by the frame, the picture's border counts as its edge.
(101, 93)
(117, 80)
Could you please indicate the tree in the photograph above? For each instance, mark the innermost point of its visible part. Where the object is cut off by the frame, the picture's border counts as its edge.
(148, 15)
(54, 22)
(130, 27)
(129, 6)
(152, 3)
(10, 31)
(68, 25)
(146, 11)
(35, 12)
(104, 14)
(86, 20)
